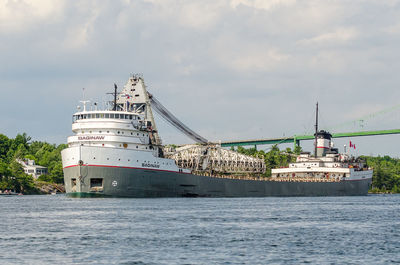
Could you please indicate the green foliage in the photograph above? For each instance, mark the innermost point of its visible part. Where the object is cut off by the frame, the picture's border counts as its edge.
(4, 146)
(273, 158)
(12, 175)
(19, 181)
(386, 176)
(45, 178)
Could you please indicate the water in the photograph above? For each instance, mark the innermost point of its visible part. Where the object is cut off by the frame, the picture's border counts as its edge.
(326, 230)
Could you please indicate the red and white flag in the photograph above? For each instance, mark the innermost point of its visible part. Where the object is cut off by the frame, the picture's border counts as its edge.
(352, 145)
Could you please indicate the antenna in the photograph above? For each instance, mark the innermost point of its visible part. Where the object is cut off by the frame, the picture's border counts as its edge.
(83, 93)
(115, 97)
(316, 131)
(84, 102)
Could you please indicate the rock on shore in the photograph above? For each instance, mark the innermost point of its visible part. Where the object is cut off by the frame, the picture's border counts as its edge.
(49, 188)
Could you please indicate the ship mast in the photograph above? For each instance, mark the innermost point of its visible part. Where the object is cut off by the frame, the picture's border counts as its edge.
(316, 131)
(115, 97)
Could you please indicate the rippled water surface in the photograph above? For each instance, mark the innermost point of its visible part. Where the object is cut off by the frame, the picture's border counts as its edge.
(317, 230)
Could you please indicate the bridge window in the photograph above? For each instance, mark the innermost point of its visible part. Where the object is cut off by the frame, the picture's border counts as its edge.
(127, 116)
(97, 115)
(107, 116)
(130, 117)
(112, 116)
(117, 116)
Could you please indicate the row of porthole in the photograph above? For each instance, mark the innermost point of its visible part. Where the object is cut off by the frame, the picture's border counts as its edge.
(125, 146)
(157, 163)
(119, 132)
(119, 159)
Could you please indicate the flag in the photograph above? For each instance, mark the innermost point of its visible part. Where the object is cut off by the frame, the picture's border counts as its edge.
(352, 145)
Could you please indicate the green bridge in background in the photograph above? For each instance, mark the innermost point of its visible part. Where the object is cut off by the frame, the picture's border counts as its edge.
(297, 138)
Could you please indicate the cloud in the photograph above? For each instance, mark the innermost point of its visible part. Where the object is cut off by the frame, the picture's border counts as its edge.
(261, 4)
(200, 15)
(336, 37)
(22, 15)
(247, 57)
(228, 68)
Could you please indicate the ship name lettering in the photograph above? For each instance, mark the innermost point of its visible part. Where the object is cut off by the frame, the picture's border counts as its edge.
(150, 165)
(86, 138)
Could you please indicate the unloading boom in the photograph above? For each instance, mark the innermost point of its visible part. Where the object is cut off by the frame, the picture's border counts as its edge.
(170, 118)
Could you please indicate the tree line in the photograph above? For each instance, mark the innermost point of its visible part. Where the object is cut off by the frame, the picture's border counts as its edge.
(386, 176)
(274, 158)
(12, 175)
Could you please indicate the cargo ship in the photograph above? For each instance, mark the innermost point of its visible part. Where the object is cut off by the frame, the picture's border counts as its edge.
(117, 151)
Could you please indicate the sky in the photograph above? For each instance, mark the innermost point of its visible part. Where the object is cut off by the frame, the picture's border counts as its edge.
(229, 69)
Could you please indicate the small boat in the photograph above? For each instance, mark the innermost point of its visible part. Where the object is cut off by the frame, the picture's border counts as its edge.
(9, 193)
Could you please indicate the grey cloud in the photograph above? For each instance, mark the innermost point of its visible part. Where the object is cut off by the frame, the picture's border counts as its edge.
(228, 69)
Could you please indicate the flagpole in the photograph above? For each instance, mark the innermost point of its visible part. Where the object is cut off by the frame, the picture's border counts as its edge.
(316, 131)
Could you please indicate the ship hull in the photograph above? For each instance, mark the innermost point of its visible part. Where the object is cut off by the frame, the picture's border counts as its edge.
(147, 183)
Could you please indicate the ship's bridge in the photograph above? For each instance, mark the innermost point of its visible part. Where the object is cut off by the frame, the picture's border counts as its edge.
(107, 119)
(110, 129)
(95, 115)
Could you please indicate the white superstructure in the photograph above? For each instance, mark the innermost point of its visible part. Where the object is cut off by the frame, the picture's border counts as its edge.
(125, 135)
(327, 165)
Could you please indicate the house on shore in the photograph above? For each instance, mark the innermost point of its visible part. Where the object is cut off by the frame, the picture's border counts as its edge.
(32, 169)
